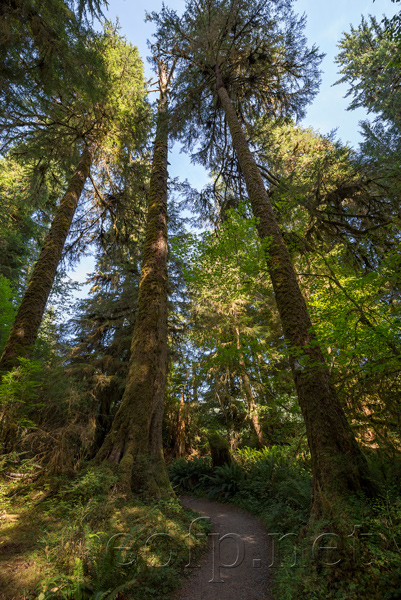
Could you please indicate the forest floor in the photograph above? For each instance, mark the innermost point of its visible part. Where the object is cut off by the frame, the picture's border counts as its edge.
(20, 567)
(66, 541)
(237, 540)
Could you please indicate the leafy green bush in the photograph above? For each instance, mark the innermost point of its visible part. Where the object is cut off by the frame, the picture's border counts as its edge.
(268, 482)
(96, 481)
(18, 399)
(7, 310)
(19, 386)
(277, 487)
(225, 481)
(188, 474)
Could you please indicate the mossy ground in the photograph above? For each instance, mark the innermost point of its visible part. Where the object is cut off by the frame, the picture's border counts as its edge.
(57, 539)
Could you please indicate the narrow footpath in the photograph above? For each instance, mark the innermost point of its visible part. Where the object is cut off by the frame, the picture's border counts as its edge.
(236, 565)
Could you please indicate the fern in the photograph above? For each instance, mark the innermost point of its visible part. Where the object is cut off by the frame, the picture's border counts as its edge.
(188, 474)
(225, 481)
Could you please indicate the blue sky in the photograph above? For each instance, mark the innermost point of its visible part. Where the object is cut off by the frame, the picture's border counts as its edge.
(326, 21)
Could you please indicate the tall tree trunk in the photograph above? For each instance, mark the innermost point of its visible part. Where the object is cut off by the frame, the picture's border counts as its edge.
(337, 462)
(135, 438)
(195, 386)
(30, 313)
(180, 445)
(252, 407)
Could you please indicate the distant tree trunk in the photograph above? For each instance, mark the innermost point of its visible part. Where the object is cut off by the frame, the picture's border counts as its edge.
(252, 406)
(180, 445)
(108, 397)
(30, 313)
(219, 449)
(194, 386)
(135, 438)
(337, 461)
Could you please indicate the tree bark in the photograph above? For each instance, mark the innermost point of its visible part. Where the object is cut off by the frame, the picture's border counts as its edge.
(338, 464)
(135, 439)
(219, 450)
(30, 313)
(252, 407)
(180, 446)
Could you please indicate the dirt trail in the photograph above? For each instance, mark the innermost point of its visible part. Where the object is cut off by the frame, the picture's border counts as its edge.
(247, 549)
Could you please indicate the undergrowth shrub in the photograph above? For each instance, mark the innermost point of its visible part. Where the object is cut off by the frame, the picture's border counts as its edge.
(44, 414)
(108, 573)
(65, 434)
(269, 482)
(103, 546)
(187, 475)
(385, 467)
(225, 482)
(277, 487)
(94, 482)
(362, 558)
(18, 399)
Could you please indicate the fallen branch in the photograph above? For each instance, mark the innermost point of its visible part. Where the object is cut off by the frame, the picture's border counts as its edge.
(21, 475)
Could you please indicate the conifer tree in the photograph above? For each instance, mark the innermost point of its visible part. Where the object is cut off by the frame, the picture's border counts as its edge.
(115, 113)
(32, 307)
(370, 58)
(135, 439)
(103, 326)
(25, 204)
(236, 60)
(42, 45)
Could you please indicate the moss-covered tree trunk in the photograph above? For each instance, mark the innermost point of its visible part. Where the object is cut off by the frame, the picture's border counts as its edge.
(135, 439)
(219, 450)
(246, 382)
(181, 434)
(30, 313)
(338, 464)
